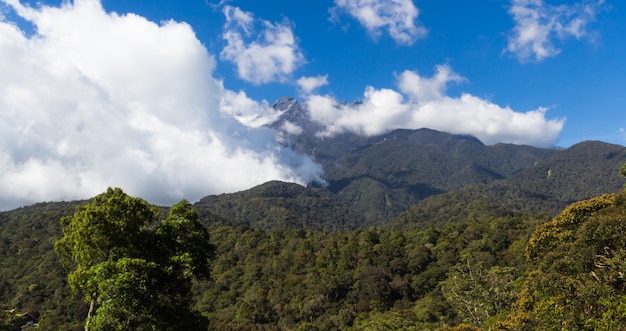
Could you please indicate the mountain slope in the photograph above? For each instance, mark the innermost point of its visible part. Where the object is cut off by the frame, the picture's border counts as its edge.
(425, 177)
(30, 272)
(582, 171)
(278, 205)
(384, 175)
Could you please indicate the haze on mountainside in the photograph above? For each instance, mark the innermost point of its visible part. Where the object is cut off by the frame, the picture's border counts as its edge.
(91, 98)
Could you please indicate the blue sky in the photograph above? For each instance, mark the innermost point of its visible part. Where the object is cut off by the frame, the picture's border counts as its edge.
(582, 82)
(89, 89)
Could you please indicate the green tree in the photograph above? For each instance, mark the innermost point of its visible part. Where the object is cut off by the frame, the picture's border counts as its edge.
(576, 280)
(479, 293)
(108, 228)
(387, 321)
(135, 276)
(183, 243)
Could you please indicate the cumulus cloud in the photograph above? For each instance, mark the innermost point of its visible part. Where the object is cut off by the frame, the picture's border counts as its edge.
(95, 99)
(422, 103)
(538, 24)
(398, 18)
(309, 84)
(260, 57)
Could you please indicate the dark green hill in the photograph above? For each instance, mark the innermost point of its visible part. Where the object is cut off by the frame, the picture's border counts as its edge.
(582, 171)
(278, 205)
(387, 174)
(362, 279)
(371, 180)
(281, 279)
(30, 272)
(425, 177)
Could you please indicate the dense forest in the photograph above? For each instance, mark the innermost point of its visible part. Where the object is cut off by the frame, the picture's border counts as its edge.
(509, 273)
(539, 246)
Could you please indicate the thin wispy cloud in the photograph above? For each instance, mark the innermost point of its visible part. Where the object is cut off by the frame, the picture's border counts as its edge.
(538, 26)
(398, 18)
(267, 54)
(97, 99)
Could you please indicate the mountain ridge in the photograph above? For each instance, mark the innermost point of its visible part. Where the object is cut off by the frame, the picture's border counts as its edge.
(380, 178)
(418, 177)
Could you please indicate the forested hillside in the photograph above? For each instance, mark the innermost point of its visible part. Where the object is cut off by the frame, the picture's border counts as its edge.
(580, 172)
(510, 272)
(279, 205)
(31, 276)
(537, 246)
(412, 178)
(292, 278)
(384, 175)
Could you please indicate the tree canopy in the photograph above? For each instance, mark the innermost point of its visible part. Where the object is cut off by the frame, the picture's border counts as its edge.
(135, 274)
(578, 262)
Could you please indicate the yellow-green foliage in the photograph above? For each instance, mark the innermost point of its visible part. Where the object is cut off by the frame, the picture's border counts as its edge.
(460, 327)
(562, 228)
(578, 263)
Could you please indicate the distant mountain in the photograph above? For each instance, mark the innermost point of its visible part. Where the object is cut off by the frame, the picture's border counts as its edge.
(580, 172)
(295, 127)
(389, 173)
(415, 178)
(386, 174)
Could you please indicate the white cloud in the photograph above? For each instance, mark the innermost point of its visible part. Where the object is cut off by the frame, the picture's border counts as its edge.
(247, 111)
(422, 103)
(291, 128)
(425, 89)
(271, 56)
(309, 84)
(97, 99)
(538, 24)
(398, 17)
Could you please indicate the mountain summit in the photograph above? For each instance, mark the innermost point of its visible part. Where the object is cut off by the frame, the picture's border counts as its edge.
(294, 127)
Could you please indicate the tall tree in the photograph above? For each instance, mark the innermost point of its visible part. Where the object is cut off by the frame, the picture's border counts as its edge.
(104, 230)
(135, 276)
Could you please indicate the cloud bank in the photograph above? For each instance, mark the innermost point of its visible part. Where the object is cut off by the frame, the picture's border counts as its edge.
(422, 103)
(260, 57)
(398, 18)
(538, 25)
(96, 99)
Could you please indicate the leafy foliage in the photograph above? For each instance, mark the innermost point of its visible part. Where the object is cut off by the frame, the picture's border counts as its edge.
(577, 276)
(132, 277)
(362, 279)
(456, 276)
